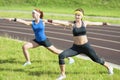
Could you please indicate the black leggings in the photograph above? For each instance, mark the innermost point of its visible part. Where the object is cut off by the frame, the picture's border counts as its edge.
(77, 49)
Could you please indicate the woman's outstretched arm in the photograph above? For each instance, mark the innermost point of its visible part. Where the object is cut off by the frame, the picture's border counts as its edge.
(65, 24)
(96, 23)
(19, 20)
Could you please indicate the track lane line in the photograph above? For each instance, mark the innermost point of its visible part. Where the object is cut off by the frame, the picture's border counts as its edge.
(63, 40)
(71, 35)
(87, 32)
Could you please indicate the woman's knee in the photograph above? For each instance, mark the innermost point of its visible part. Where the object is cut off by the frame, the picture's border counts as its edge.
(61, 59)
(100, 61)
(26, 46)
(54, 49)
(62, 55)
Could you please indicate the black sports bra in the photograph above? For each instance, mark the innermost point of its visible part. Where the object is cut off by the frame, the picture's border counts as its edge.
(79, 31)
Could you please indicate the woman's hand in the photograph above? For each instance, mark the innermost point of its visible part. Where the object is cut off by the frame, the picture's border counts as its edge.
(68, 26)
(105, 23)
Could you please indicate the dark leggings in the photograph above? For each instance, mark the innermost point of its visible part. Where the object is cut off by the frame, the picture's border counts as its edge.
(77, 49)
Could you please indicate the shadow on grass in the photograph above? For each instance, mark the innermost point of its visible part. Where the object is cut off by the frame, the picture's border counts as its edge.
(9, 69)
(47, 61)
(84, 72)
(39, 73)
(10, 60)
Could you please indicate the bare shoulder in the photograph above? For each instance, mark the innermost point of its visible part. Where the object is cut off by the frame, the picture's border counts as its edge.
(85, 23)
(44, 20)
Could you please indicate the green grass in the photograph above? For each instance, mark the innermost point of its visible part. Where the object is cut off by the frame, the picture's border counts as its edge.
(45, 65)
(65, 10)
(27, 15)
(107, 8)
(95, 8)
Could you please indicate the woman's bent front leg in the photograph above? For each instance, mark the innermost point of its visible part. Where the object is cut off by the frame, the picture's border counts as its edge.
(62, 56)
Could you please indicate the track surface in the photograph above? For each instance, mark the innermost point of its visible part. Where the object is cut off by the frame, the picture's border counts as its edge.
(104, 39)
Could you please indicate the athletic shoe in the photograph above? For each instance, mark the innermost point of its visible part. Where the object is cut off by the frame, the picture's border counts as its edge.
(61, 77)
(27, 63)
(71, 60)
(110, 70)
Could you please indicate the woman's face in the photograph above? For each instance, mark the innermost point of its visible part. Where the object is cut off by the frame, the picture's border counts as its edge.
(78, 15)
(35, 14)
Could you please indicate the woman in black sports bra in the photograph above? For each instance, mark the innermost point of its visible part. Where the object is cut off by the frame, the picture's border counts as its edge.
(80, 44)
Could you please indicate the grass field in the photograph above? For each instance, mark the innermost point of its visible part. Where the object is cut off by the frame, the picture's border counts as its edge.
(105, 8)
(45, 65)
(96, 7)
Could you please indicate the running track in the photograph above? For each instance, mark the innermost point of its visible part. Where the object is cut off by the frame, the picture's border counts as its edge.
(104, 39)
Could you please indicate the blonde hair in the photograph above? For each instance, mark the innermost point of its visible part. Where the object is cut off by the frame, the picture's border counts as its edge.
(81, 10)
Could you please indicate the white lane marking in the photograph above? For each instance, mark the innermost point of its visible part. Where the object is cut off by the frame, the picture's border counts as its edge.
(88, 37)
(63, 40)
(87, 58)
(106, 48)
(110, 27)
(69, 30)
(105, 40)
(92, 44)
(104, 34)
(105, 30)
(29, 28)
(92, 33)
(16, 32)
(88, 29)
(71, 35)
(63, 29)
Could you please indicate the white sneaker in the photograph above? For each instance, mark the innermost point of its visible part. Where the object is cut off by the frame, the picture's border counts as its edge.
(61, 77)
(71, 60)
(110, 70)
(27, 63)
